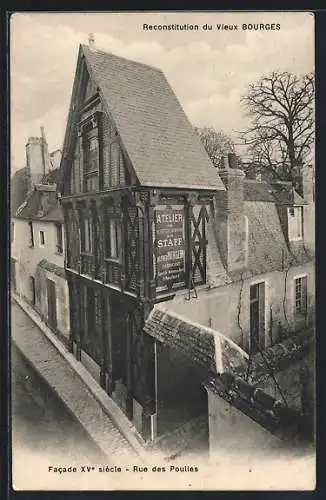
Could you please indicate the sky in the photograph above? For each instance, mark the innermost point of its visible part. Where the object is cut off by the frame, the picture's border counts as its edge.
(209, 71)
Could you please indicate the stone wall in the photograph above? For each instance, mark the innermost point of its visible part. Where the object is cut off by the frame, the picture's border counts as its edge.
(227, 308)
(231, 431)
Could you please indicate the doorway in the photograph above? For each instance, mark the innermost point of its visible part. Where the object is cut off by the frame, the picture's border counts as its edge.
(181, 396)
(52, 303)
(13, 274)
(257, 317)
(32, 285)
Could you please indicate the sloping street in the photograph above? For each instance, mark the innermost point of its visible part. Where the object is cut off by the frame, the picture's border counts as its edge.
(41, 420)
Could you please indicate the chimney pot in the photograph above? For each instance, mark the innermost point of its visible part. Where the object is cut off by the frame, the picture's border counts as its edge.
(91, 41)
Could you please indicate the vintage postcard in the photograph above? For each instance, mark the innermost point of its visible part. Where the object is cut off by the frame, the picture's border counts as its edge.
(163, 251)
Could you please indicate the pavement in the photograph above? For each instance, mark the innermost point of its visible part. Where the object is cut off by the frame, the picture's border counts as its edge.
(41, 423)
(99, 415)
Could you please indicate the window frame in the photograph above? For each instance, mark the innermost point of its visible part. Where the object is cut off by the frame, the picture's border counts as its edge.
(90, 132)
(89, 137)
(59, 245)
(42, 238)
(261, 299)
(112, 234)
(86, 228)
(298, 222)
(86, 234)
(302, 310)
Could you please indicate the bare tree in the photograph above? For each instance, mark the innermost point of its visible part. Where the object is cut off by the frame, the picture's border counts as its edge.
(281, 109)
(217, 144)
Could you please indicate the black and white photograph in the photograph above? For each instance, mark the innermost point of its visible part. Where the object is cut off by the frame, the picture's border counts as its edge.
(162, 260)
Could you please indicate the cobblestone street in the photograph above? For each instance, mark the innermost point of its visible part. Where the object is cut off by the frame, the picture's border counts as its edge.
(46, 422)
(41, 422)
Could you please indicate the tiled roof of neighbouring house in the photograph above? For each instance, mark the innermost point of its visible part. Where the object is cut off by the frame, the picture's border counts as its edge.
(156, 133)
(41, 204)
(268, 249)
(269, 412)
(198, 342)
(53, 268)
(277, 357)
(18, 188)
(281, 193)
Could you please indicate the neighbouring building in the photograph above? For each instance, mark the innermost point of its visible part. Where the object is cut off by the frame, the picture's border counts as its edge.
(38, 244)
(38, 164)
(179, 275)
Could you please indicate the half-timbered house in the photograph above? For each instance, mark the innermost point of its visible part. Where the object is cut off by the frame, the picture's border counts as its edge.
(176, 271)
(133, 173)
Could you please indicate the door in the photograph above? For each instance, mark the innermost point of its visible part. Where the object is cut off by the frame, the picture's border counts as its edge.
(52, 306)
(32, 285)
(13, 274)
(257, 317)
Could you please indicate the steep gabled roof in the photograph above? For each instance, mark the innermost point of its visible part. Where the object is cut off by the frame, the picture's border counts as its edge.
(157, 135)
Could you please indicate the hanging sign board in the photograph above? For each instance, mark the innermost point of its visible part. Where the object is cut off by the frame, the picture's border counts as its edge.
(169, 247)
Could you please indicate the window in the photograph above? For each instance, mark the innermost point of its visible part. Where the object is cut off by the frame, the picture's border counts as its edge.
(295, 223)
(91, 161)
(91, 155)
(112, 238)
(301, 295)
(87, 240)
(59, 239)
(31, 234)
(42, 238)
(118, 175)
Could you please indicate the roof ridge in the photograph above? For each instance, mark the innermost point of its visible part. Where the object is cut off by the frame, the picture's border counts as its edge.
(84, 46)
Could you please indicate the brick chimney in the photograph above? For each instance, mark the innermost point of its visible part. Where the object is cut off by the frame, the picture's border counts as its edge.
(231, 223)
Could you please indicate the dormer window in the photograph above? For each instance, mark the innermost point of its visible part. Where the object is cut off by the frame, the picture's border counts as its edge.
(295, 223)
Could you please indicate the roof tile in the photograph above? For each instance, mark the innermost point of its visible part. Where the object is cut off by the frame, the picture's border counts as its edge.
(159, 139)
